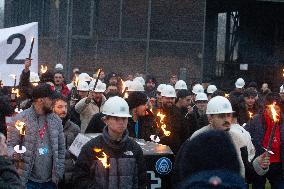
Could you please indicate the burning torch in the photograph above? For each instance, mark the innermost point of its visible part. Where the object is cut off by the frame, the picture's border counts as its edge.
(104, 159)
(98, 76)
(21, 127)
(14, 77)
(43, 69)
(275, 117)
(124, 94)
(161, 125)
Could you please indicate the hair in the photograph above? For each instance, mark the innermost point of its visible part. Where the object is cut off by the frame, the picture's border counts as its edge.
(218, 93)
(58, 97)
(59, 72)
(182, 94)
(47, 77)
(250, 92)
(151, 77)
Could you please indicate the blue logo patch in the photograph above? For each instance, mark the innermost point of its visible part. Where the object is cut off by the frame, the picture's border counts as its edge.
(163, 166)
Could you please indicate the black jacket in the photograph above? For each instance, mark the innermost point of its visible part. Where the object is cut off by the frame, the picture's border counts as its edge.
(5, 109)
(127, 167)
(9, 178)
(243, 115)
(176, 125)
(96, 125)
(146, 127)
(196, 120)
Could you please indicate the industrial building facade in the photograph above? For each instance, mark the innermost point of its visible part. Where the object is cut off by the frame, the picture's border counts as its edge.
(200, 40)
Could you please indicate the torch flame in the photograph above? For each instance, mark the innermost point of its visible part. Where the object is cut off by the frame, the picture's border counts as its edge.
(275, 115)
(227, 95)
(20, 126)
(13, 76)
(99, 70)
(76, 81)
(283, 72)
(102, 159)
(163, 125)
(16, 91)
(35, 84)
(43, 69)
(126, 95)
(250, 114)
(123, 86)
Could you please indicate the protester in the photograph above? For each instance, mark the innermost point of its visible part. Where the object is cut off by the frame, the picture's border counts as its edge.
(59, 85)
(150, 87)
(43, 162)
(71, 130)
(125, 165)
(9, 178)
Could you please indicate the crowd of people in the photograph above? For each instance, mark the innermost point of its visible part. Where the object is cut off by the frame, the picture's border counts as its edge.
(228, 140)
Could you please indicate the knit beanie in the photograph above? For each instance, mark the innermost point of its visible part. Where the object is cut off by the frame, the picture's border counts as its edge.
(136, 99)
(211, 150)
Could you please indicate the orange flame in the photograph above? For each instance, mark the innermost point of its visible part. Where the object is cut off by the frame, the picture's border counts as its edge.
(76, 81)
(99, 70)
(250, 114)
(126, 95)
(163, 125)
(227, 95)
(35, 84)
(123, 86)
(20, 126)
(275, 115)
(102, 159)
(43, 69)
(283, 72)
(16, 91)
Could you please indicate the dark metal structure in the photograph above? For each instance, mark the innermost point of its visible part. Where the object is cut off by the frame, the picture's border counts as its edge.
(201, 40)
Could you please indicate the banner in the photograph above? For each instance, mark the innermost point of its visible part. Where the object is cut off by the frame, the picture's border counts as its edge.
(15, 44)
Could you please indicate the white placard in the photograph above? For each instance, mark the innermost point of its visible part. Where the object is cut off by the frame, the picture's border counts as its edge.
(15, 43)
(78, 143)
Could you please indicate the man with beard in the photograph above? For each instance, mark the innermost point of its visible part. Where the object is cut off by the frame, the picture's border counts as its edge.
(150, 88)
(59, 85)
(173, 120)
(71, 130)
(42, 165)
(219, 111)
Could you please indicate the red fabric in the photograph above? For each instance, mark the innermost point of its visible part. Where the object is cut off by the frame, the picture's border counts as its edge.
(65, 91)
(275, 147)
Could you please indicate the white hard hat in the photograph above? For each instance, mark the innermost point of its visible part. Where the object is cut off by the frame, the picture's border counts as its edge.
(219, 105)
(197, 88)
(83, 86)
(180, 84)
(127, 83)
(169, 91)
(100, 88)
(161, 87)
(92, 84)
(59, 67)
(34, 78)
(135, 86)
(117, 107)
(201, 96)
(211, 89)
(281, 89)
(84, 77)
(240, 83)
(140, 80)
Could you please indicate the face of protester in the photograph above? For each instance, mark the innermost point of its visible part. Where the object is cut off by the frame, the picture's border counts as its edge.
(221, 121)
(141, 110)
(250, 100)
(185, 102)
(60, 108)
(168, 102)
(150, 85)
(173, 79)
(58, 79)
(112, 90)
(102, 75)
(116, 125)
(201, 105)
(97, 96)
(83, 94)
(45, 104)
(113, 81)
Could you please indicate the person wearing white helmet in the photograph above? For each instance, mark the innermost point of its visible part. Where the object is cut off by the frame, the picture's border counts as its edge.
(140, 80)
(198, 117)
(126, 162)
(180, 84)
(91, 105)
(238, 91)
(150, 87)
(173, 120)
(210, 90)
(158, 95)
(197, 88)
(219, 111)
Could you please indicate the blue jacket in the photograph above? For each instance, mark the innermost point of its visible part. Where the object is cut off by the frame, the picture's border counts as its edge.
(256, 127)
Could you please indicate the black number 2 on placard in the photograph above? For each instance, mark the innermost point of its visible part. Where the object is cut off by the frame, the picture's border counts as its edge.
(11, 59)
